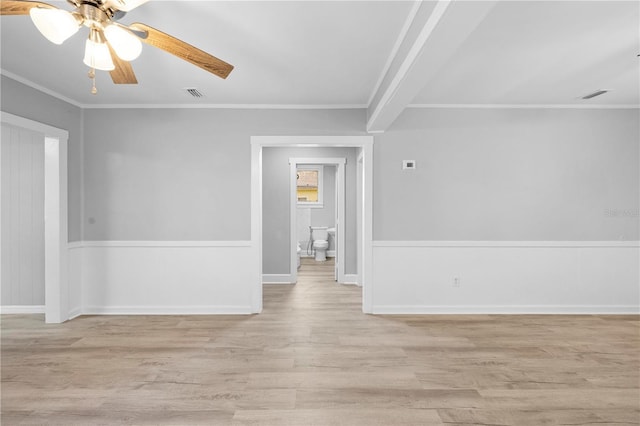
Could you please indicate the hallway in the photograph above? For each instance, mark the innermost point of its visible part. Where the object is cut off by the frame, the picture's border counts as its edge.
(313, 358)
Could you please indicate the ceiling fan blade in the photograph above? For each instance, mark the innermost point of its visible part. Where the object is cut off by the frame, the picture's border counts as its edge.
(183, 50)
(17, 7)
(123, 72)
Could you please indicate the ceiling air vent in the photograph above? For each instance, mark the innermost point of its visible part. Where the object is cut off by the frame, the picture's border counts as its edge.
(194, 92)
(594, 94)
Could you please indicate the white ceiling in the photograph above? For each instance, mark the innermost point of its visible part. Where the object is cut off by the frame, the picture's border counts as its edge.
(334, 52)
(545, 52)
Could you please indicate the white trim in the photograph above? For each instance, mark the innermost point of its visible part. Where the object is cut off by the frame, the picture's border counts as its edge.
(75, 313)
(158, 244)
(56, 213)
(82, 106)
(359, 211)
(312, 141)
(167, 310)
(277, 279)
(394, 51)
(75, 245)
(22, 309)
(319, 161)
(26, 123)
(508, 309)
(256, 226)
(524, 106)
(412, 55)
(225, 106)
(82, 176)
(329, 253)
(350, 279)
(512, 244)
(366, 269)
(39, 88)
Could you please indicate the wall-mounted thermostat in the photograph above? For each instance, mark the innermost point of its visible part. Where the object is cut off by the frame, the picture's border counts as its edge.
(408, 164)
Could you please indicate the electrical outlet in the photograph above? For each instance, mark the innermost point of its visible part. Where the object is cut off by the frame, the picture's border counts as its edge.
(456, 281)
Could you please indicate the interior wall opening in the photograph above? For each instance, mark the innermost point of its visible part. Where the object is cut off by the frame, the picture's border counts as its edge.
(275, 234)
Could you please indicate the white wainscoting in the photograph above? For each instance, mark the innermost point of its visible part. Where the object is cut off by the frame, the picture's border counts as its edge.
(158, 277)
(75, 257)
(559, 277)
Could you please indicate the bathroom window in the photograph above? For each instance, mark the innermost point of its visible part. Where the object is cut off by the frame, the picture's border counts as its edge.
(309, 186)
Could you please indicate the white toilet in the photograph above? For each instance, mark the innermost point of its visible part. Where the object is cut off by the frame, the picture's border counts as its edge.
(320, 237)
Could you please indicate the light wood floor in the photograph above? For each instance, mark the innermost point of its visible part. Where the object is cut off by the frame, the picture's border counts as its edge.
(312, 358)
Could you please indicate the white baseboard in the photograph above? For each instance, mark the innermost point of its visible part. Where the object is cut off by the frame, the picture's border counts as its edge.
(156, 244)
(511, 244)
(22, 309)
(330, 253)
(351, 279)
(507, 310)
(75, 313)
(277, 279)
(167, 310)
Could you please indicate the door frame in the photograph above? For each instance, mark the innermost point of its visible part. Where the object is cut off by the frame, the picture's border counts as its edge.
(340, 205)
(365, 222)
(56, 286)
(359, 211)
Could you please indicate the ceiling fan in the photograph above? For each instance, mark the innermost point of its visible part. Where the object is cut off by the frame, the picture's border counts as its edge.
(111, 45)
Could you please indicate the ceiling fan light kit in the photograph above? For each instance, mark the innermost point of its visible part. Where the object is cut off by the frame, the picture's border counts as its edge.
(96, 52)
(56, 25)
(126, 45)
(110, 45)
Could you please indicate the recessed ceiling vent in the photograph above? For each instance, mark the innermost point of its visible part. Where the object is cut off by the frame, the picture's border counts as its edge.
(194, 92)
(594, 94)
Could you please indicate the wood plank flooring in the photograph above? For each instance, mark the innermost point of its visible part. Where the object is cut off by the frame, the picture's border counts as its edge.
(313, 358)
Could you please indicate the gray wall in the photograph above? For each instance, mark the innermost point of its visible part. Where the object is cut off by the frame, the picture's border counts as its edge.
(276, 211)
(22, 153)
(509, 174)
(24, 101)
(183, 174)
(506, 174)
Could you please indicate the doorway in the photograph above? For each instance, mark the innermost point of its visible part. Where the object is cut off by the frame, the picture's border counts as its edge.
(55, 141)
(364, 222)
(339, 218)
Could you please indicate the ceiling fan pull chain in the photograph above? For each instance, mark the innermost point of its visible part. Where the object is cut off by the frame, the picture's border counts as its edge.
(92, 76)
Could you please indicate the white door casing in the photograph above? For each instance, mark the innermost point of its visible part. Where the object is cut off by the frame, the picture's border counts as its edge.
(257, 145)
(55, 209)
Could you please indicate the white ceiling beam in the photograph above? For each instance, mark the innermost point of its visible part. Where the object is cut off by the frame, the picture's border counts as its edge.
(438, 29)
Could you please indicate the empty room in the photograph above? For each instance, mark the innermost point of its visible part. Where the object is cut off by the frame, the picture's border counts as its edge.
(301, 212)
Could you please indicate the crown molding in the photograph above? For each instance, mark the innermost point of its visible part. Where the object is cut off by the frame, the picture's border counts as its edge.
(40, 88)
(225, 106)
(522, 106)
(80, 105)
(61, 97)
